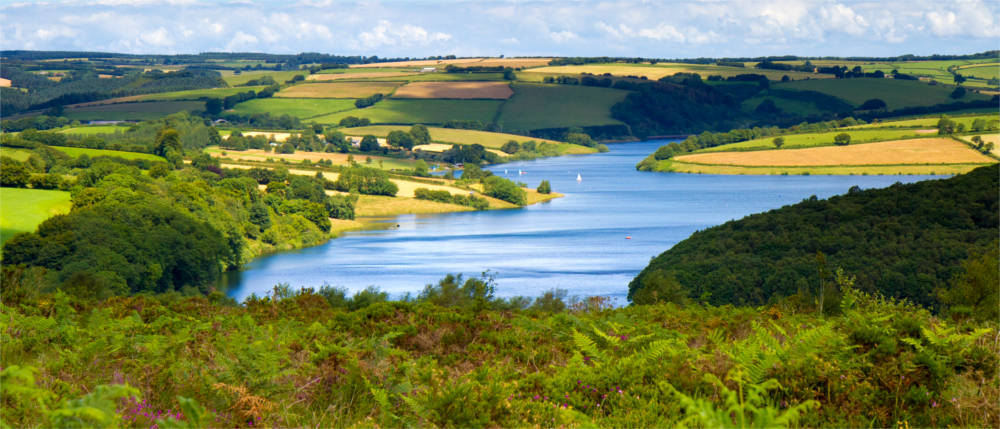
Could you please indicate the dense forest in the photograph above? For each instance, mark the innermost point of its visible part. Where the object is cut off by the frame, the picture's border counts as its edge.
(906, 241)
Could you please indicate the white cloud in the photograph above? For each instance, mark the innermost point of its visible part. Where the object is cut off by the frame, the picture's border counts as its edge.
(158, 37)
(387, 34)
(563, 36)
(842, 18)
(241, 42)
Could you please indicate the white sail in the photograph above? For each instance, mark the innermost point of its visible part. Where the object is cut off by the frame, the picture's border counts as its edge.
(579, 178)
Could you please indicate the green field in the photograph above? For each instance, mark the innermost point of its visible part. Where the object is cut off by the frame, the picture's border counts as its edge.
(91, 130)
(450, 135)
(896, 93)
(302, 108)
(16, 154)
(197, 94)
(931, 122)
(77, 151)
(279, 76)
(536, 106)
(23, 209)
(820, 139)
(785, 104)
(984, 71)
(424, 111)
(141, 111)
(933, 70)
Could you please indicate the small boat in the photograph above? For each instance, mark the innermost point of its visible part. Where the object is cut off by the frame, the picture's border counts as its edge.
(505, 172)
(519, 172)
(579, 178)
(628, 237)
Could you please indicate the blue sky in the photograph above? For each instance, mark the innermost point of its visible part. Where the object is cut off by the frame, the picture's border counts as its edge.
(414, 28)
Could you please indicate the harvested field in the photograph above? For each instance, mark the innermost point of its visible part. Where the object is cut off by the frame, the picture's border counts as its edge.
(355, 76)
(432, 147)
(4, 83)
(464, 90)
(278, 137)
(338, 90)
(913, 151)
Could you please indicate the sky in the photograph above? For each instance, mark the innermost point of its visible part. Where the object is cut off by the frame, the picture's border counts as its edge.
(419, 28)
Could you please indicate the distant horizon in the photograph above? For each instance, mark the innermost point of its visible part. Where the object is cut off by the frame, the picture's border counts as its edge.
(442, 56)
(415, 28)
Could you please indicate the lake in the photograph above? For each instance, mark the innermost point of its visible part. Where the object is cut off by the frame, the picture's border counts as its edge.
(593, 241)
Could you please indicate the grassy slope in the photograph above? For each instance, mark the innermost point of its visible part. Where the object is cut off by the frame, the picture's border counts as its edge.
(302, 108)
(820, 139)
(93, 130)
(279, 76)
(77, 151)
(420, 111)
(536, 106)
(931, 122)
(23, 209)
(131, 111)
(449, 135)
(196, 94)
(337, 89)
(896, 93)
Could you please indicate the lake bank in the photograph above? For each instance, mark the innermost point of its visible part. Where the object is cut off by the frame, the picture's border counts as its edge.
(591, 242)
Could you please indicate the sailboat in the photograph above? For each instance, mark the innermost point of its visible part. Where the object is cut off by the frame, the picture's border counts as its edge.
(579, 178)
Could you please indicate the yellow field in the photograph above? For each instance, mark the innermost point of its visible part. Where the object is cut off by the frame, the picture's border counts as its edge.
(457, 89)
(913, 151)
(356, 76)
(988, 138)
(659, 70)
(853, 170)
(278, 137)
(382, 206)
(464, 62)
(338, 90)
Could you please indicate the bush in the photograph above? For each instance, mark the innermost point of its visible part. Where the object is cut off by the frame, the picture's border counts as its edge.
(503, 189)
(842, 139)
(544, 187)
(364, 180)
(510, 147)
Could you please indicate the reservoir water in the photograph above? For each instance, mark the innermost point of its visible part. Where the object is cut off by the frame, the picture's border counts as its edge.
(593, 241)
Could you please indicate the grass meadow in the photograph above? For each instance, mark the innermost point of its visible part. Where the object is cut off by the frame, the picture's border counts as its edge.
(822, 139)
(140, 111)
(338, 90)
(77, 151)
(302, 108)
(430, 111)
(91, 130)
(931, 122)
(197, 94)
(244, 77)
(896, 93)
(24, 209)
(462, 90)
(536, 106)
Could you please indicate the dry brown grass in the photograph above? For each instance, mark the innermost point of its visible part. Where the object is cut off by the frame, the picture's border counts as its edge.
(898, 152)
(464, 90)
(355, 76)
(380, 206)
(338, 90)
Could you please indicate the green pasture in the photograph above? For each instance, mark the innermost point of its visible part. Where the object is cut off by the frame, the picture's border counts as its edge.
(139, 111)
(16, 154)
(77, 151)
(90, 130)
(983, 71)
(21, 210)
(198, 94)
(896, 93)
(302, 108)
(244, 77)
(536, 106)
(420, 111)
(659, 70)
(931, 122)
(357, 70)
(786, 105)
(820, 139)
